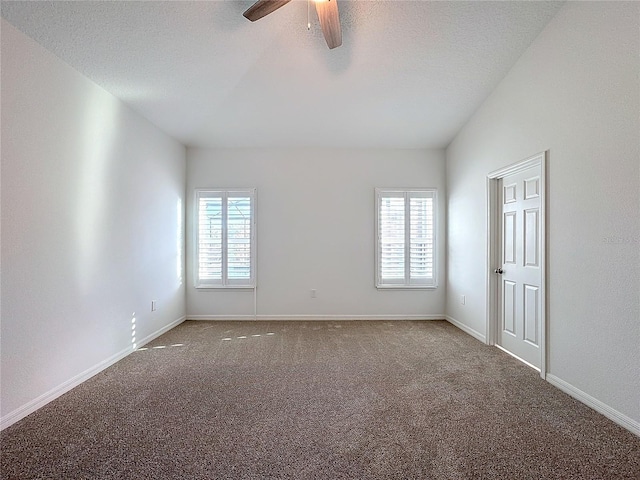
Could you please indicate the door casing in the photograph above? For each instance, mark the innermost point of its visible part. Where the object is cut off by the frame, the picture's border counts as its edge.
(493, 250)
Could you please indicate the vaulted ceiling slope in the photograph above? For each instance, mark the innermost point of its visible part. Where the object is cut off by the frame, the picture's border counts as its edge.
(408, 75)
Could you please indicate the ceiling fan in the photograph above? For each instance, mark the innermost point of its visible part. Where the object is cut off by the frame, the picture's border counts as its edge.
(327, 13)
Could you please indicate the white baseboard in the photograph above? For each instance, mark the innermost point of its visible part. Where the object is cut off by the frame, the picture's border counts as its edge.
(30, 407)
(313, 317)
(466, 329)
(39, 402)
(612, 414)
(157, 333)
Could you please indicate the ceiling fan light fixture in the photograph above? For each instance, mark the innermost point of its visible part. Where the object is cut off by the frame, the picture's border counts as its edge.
(327, 14)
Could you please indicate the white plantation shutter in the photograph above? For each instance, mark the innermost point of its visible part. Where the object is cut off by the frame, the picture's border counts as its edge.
(239, 237)
(405, 244)
(225, 241)
(210, 239)
(421, 237)
(392, 236)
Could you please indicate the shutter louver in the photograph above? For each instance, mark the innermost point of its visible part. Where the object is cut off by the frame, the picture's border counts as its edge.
(421, 238)
(210, 239)
(239, 237)
(392, 232)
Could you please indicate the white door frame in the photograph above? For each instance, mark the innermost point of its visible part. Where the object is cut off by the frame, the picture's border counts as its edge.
(493, 250)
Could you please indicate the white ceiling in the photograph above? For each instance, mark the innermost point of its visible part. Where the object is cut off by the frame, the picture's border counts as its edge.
(408, 75)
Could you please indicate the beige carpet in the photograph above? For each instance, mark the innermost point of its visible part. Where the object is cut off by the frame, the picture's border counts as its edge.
(317, 400)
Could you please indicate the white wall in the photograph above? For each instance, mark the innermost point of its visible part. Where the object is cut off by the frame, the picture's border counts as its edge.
(92, 213)
(315, 230)
(574, 92)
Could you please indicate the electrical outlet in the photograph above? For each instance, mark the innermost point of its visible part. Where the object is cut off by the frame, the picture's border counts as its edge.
(153, 305)
(463, 299)
(313, 293)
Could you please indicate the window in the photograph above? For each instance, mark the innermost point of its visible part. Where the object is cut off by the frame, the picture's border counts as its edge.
(225, 238)
(405, 246)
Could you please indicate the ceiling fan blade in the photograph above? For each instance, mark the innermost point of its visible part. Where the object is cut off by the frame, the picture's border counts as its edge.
(262, 8)
(330, 22)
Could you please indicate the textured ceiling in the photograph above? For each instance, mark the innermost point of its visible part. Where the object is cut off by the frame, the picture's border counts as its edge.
(408, 75)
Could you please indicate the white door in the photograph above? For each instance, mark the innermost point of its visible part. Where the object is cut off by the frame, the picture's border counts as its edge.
(520, 273)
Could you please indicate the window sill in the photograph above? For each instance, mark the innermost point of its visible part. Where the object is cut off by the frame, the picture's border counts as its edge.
(406, 287)
(225, 287)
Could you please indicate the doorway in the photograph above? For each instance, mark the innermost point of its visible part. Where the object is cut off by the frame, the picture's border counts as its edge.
(516, 260)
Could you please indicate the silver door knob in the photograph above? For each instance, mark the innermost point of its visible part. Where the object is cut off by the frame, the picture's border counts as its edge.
(499, 271)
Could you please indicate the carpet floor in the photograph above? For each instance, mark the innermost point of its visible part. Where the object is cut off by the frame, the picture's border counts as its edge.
(317, 400)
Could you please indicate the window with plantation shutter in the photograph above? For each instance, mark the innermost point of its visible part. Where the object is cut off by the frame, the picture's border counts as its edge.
(405, 246)
(225, 238)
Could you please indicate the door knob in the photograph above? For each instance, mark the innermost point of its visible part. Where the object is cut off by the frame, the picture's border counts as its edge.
(499, 271)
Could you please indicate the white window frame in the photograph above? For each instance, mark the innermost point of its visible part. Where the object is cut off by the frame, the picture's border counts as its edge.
(224, 195)
(407, 282)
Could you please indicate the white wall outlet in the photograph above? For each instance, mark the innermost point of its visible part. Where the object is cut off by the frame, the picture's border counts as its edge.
(313, 293)
(153, 305)
(463, 299)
